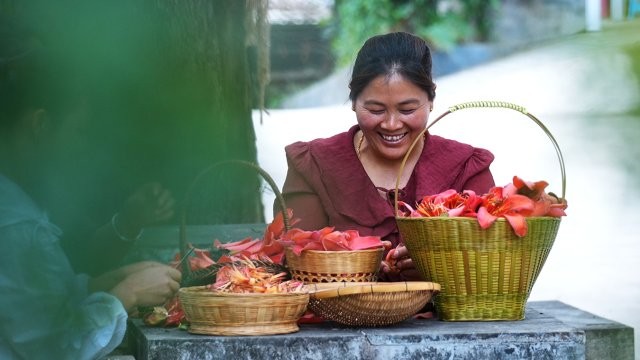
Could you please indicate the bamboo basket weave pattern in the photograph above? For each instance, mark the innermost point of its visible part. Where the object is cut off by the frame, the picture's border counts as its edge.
(313, 266)
(485, 274)
(217, 313)
(370, 304)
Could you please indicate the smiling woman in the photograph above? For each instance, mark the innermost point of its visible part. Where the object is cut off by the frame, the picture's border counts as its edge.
(345, 180)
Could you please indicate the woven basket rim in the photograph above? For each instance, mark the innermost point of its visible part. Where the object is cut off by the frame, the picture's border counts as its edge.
(500, 219)
(204, 290)
(329, 290)
(336, 251)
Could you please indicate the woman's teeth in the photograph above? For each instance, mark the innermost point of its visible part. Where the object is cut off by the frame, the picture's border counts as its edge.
(393, 138)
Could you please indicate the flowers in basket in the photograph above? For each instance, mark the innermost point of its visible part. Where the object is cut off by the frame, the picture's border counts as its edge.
(254, 265)
(269, 247)
(329, 239)
(514, 202)
(268, 253)
(277, 238)
(247, 277)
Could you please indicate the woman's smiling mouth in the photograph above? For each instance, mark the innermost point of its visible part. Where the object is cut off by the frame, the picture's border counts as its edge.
(393, 138)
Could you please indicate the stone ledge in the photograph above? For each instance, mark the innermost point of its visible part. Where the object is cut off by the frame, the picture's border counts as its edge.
(551, 330)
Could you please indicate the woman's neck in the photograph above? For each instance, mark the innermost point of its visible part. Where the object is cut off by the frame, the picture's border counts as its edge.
(383, 172)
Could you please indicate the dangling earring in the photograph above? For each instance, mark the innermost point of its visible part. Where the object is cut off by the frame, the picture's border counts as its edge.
(431, 108)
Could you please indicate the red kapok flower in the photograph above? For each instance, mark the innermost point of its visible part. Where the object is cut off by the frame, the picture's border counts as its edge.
(449, 203)
(545, 204)
(505, 202)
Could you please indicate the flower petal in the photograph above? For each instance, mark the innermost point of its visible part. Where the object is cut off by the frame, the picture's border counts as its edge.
(518, 223)
(365, 242)
(485, 218)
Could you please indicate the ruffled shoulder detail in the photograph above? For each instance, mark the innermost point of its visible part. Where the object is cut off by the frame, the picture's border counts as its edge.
(448, 164)
(332, 169)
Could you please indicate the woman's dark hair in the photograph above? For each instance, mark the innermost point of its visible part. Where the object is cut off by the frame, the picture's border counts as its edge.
(395, 53)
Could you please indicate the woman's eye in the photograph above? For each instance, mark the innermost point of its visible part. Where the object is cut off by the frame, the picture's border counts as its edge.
(407, 111)
(376, 111)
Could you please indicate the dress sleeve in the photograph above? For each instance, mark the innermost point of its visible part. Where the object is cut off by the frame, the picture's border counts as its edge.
(298, 194)
(47, 311)
(476, 174)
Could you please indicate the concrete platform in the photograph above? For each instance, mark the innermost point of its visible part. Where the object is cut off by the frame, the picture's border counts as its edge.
(551, 330)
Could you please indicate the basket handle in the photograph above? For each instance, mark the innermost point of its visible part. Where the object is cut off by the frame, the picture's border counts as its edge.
(485, 104)
(183, 220)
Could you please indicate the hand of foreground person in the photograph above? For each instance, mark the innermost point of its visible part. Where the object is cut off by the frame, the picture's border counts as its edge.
(403, 269)
(149, 286)
(110, 279)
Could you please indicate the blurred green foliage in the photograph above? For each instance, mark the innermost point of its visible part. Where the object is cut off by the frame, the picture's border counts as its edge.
(442, 23)
(165, 91)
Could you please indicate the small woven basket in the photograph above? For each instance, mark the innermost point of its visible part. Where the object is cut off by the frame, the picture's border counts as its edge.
(313, 266)
(485, 274)
(370, 304)
(218, 313)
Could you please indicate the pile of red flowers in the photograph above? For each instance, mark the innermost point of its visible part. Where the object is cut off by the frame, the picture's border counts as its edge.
(514, 202)
(276, 239)
(269, 249)
(247, 277)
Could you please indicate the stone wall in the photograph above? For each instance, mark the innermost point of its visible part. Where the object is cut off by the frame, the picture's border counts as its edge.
(519, 23)
(299, 53)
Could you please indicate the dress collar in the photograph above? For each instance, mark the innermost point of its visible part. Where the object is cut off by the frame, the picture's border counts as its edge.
(347, 181)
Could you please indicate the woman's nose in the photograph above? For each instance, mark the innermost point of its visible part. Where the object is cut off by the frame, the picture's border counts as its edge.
(392, 121)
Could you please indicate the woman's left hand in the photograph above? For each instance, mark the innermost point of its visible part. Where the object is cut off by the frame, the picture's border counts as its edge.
(400, 265)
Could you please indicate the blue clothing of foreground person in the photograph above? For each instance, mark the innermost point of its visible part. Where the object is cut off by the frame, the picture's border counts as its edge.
(48, 311)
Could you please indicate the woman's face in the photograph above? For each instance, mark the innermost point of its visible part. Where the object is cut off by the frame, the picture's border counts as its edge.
(391, 112)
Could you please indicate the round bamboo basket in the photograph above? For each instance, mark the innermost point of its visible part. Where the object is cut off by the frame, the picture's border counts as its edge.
(218, 313)
(486, 274)
(313, 266)
(370, 304)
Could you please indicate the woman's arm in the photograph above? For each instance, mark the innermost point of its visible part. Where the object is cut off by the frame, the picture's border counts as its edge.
(308, 208)
(47, 307)
(480, 183)
(150, 204)
(305, 203)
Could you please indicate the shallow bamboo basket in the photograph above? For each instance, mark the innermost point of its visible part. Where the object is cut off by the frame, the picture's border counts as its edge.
(485, 274)
(218, 313)
(313, 266)
(370, 304)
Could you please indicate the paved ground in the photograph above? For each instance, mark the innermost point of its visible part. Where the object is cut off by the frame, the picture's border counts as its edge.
(586, 89)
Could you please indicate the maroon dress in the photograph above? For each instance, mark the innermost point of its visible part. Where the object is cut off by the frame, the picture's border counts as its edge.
(326, 184)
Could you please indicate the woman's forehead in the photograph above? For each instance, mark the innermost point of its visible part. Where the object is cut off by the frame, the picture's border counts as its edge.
(394, 89)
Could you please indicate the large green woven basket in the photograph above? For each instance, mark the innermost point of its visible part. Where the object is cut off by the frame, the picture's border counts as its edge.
(485, 274)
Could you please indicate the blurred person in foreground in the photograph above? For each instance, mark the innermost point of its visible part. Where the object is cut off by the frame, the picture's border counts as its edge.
(348, 181)
(150, 204)
(47, 310)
